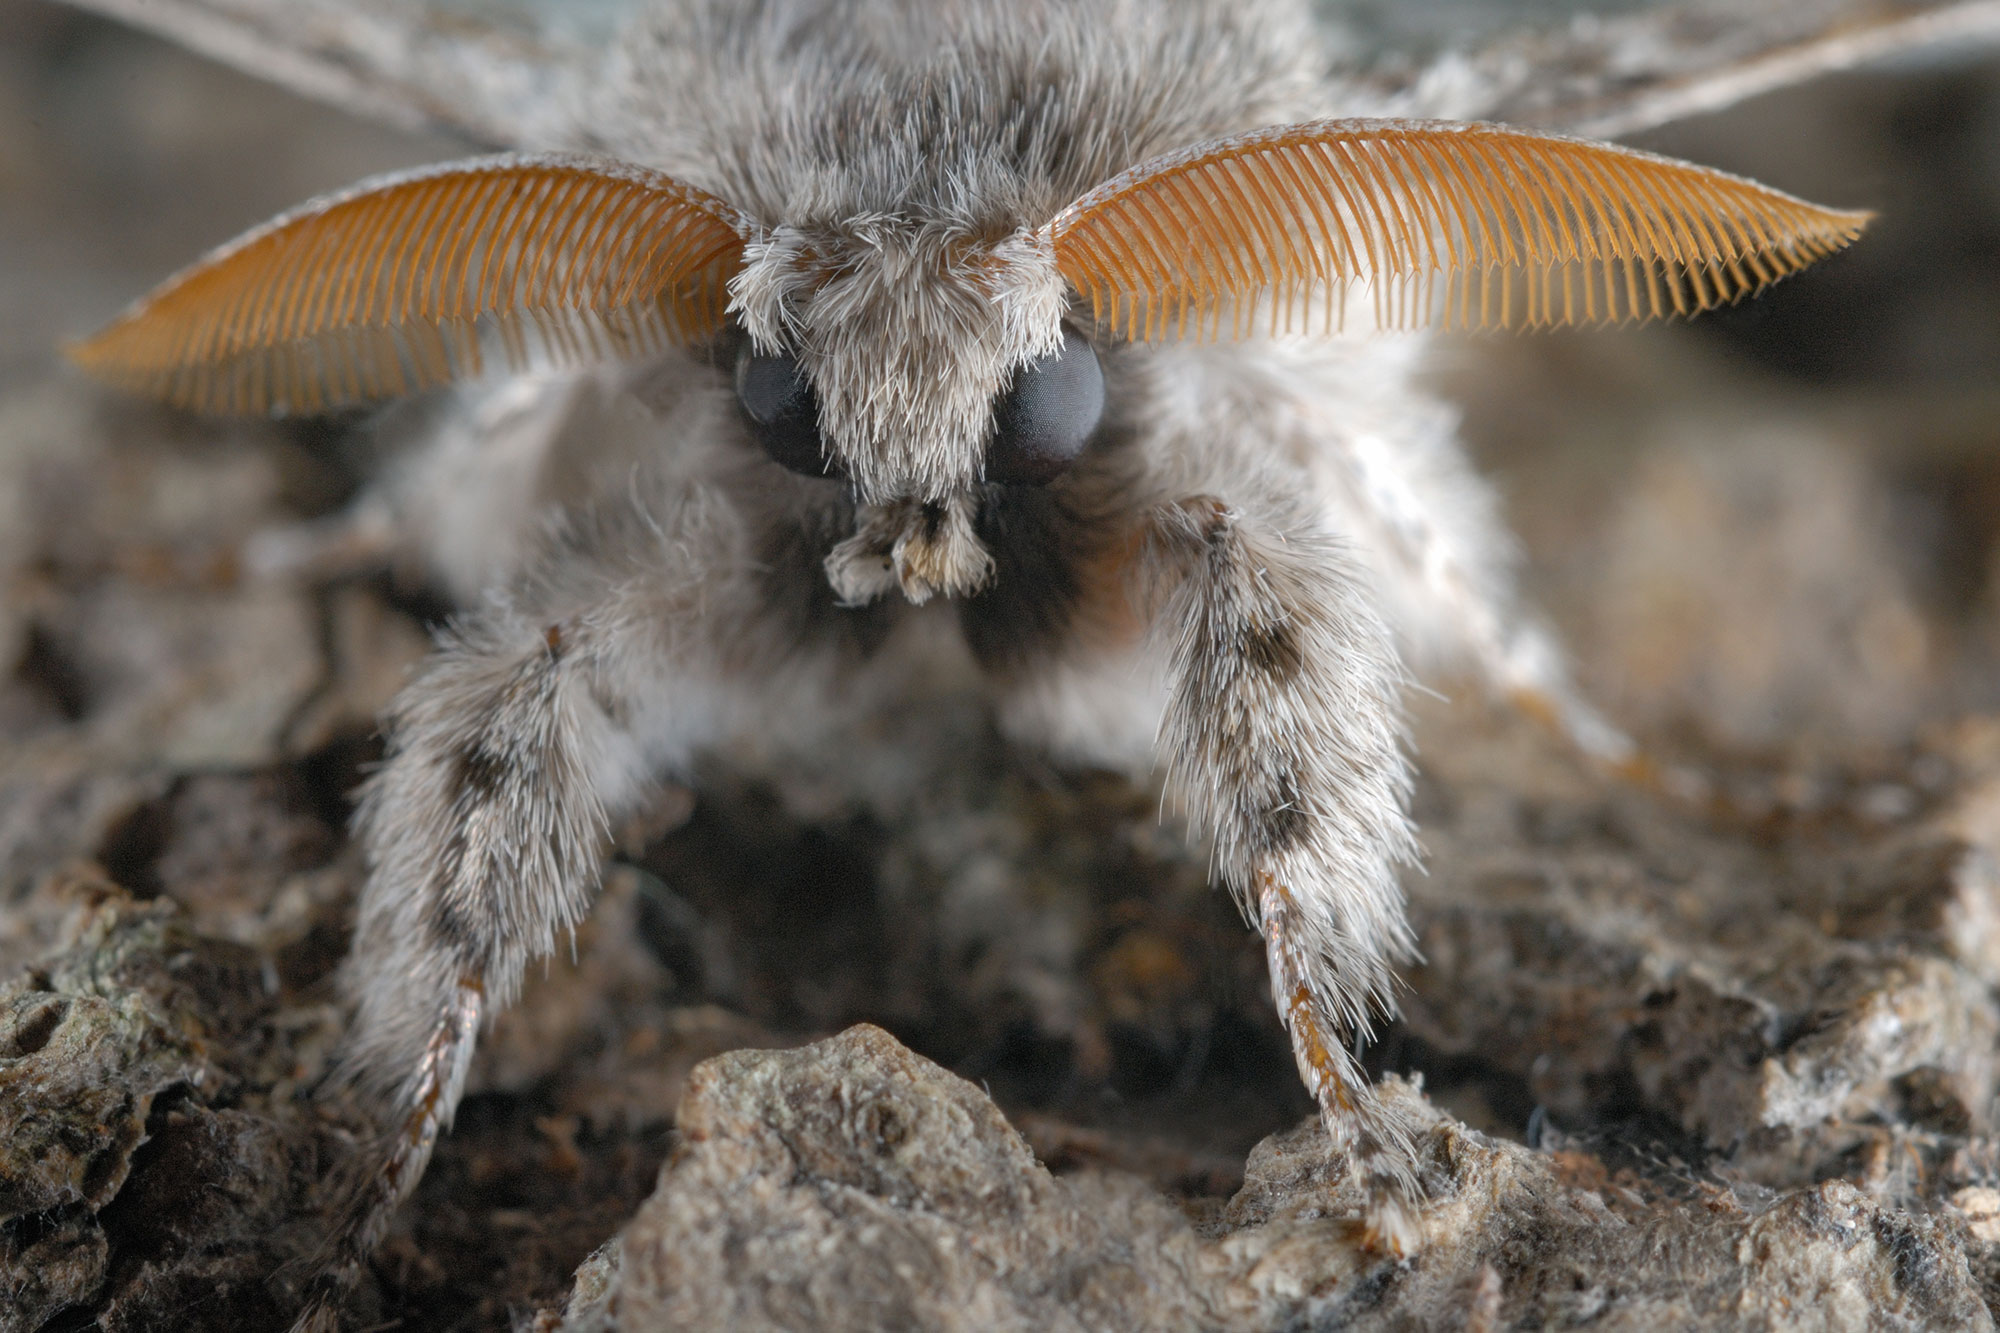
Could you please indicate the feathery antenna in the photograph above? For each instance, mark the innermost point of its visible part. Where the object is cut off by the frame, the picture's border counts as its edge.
(1442, 224)
(407, 281)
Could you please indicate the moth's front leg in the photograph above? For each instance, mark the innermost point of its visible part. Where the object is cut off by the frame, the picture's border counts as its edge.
(1283, 736)
(485, 827)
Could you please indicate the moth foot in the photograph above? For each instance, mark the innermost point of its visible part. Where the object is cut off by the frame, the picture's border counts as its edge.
(1392, 1224)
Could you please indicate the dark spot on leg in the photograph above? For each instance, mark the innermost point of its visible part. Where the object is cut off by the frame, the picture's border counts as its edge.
(1273, 651)
(1281, 824)
(1217, 529)
(1222, 554)
(1284, 827)
(476, 776)
(449, 926)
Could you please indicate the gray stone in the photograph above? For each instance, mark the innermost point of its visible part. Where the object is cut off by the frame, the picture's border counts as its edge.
(852, 1185)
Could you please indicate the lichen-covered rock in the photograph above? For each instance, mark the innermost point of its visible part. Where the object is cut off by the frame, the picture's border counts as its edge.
(162, 1164)
(156, 1166)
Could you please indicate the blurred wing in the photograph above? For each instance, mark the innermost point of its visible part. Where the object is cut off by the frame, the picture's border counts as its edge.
(518, 73)
(510, 73)
(1435, 223)
(411, 280)
(1606, 69)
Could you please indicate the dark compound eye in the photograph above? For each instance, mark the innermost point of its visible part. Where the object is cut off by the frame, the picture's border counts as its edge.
(1045, 419)
(783, 411)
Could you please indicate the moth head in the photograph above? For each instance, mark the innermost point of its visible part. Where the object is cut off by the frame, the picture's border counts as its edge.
(912, 349)
(920, 358)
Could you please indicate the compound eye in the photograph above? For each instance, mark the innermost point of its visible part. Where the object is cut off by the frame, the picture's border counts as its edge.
(1046, 418)
(782, 410)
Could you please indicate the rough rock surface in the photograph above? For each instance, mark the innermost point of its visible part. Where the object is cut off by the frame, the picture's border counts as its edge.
(1728, 1063)
(851, 1185)
(144, 1172)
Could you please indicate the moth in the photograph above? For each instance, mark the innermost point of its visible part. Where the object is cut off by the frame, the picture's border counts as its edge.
(1076, 336)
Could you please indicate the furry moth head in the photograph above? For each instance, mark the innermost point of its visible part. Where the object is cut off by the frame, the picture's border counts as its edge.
(917, 359)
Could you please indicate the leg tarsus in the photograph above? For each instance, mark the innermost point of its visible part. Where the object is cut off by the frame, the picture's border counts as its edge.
(1380, 1151)
(395, 1162)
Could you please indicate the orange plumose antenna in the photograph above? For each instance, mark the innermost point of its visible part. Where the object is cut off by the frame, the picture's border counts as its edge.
(1440, 224)
(402, 283)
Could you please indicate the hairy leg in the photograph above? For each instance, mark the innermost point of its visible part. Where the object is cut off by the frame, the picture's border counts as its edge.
(1283, 736)
(484, 829)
